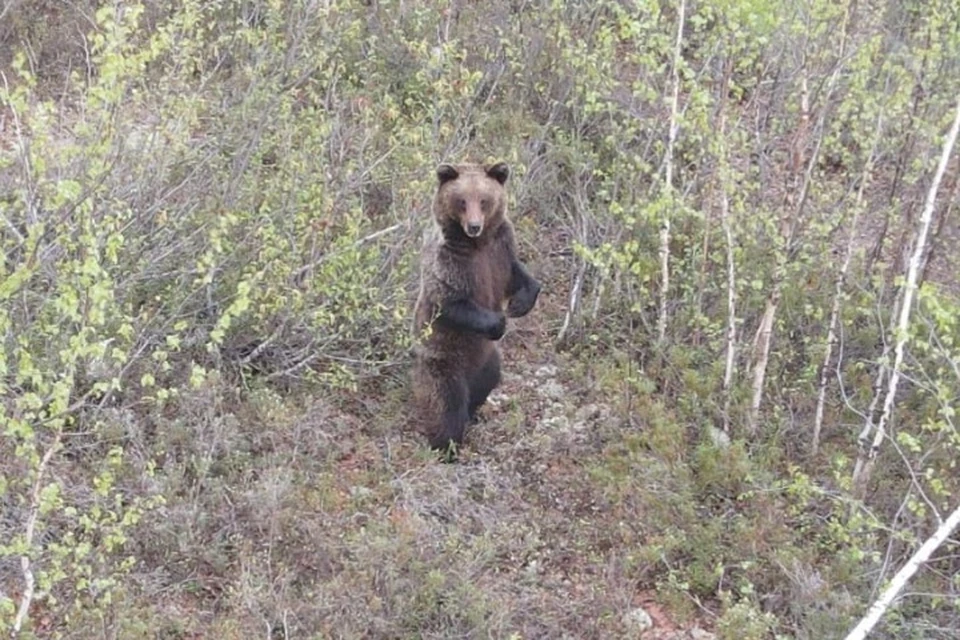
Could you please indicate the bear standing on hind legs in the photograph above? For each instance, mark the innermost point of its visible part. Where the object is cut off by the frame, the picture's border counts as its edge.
(469, 275)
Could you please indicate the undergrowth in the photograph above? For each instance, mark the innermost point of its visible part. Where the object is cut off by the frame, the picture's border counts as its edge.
(210, 216)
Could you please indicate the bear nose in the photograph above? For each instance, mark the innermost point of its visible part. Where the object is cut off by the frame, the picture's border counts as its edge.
(473, 229)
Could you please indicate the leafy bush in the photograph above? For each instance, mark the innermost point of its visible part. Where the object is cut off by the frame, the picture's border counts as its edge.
(210, 222)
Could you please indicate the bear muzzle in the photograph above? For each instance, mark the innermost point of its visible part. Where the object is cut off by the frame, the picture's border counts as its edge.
(472, 226)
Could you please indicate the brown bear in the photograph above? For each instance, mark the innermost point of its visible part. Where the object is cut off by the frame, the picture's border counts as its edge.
(469, 272)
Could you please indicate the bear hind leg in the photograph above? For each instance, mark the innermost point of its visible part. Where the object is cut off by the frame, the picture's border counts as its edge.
(484, 381)
(453, 415)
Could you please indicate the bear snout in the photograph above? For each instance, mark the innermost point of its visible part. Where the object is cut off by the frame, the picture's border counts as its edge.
(472, 226)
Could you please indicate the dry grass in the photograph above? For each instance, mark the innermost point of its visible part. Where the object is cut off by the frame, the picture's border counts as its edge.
(300, 518)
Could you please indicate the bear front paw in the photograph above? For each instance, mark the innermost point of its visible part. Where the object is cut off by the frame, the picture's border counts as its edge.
(522, 302)
(498, 328)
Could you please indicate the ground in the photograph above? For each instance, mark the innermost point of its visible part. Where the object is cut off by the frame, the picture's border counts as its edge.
(330, 520)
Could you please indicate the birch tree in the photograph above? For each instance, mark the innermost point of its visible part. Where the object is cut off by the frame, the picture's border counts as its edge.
(882, 604)
(866, 458)
(838, 290)
(790, 229)
(723, 177)
(668, 179)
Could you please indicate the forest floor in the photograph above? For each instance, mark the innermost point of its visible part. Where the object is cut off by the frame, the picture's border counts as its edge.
(293, 517)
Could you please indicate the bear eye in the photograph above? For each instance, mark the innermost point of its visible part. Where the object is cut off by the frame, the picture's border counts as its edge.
(461, 203)
(485, 203)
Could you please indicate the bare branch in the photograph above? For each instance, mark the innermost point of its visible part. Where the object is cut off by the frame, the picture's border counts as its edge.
(7, 6)
(359, 242)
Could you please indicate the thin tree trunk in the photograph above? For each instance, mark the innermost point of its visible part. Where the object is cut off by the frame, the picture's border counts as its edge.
(878, 608)
(791, 225)
(762, 343)
(574, 302)
(863, 439)
(838, 290)
(722, 181)
(900, 170)
(731, 312)
(764, 336)
(668, 182)
(866, 462)
(701, 281)
(26, 566)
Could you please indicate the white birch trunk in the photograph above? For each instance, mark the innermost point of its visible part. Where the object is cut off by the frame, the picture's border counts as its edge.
(26, 565)
(574, 302)
(762, 343)
(668, 182)
(903, 576)
(764, 336)
(722, 179)
(791, 227)
(866, 460)
(731, 303)
(864, 438)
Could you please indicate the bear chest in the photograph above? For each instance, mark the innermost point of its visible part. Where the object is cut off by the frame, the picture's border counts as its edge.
(490, 270)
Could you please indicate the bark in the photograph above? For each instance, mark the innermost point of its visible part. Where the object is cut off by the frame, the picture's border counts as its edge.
(935, 240)
(574, 302)
(789, 227)
(762, 344)
(26, 564)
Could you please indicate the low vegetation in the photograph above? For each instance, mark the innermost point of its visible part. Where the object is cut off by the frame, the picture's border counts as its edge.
(210, 215)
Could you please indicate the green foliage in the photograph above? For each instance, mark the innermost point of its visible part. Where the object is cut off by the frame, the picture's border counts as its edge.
(745, 620)
(211, 211)
(140, 258)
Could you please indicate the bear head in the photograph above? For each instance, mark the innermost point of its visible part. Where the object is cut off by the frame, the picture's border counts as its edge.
(471, 199)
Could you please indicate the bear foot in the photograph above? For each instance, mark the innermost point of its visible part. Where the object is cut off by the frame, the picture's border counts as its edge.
(447, 448)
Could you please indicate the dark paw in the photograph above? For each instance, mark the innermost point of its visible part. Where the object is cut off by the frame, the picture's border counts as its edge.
(447, 448)
(522, 302)
(499, 328)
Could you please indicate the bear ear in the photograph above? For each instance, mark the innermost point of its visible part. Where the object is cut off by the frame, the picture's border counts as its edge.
(446, 173)
(499, 172)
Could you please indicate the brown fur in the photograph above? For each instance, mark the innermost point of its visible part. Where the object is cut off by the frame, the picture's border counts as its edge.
(469, 259)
